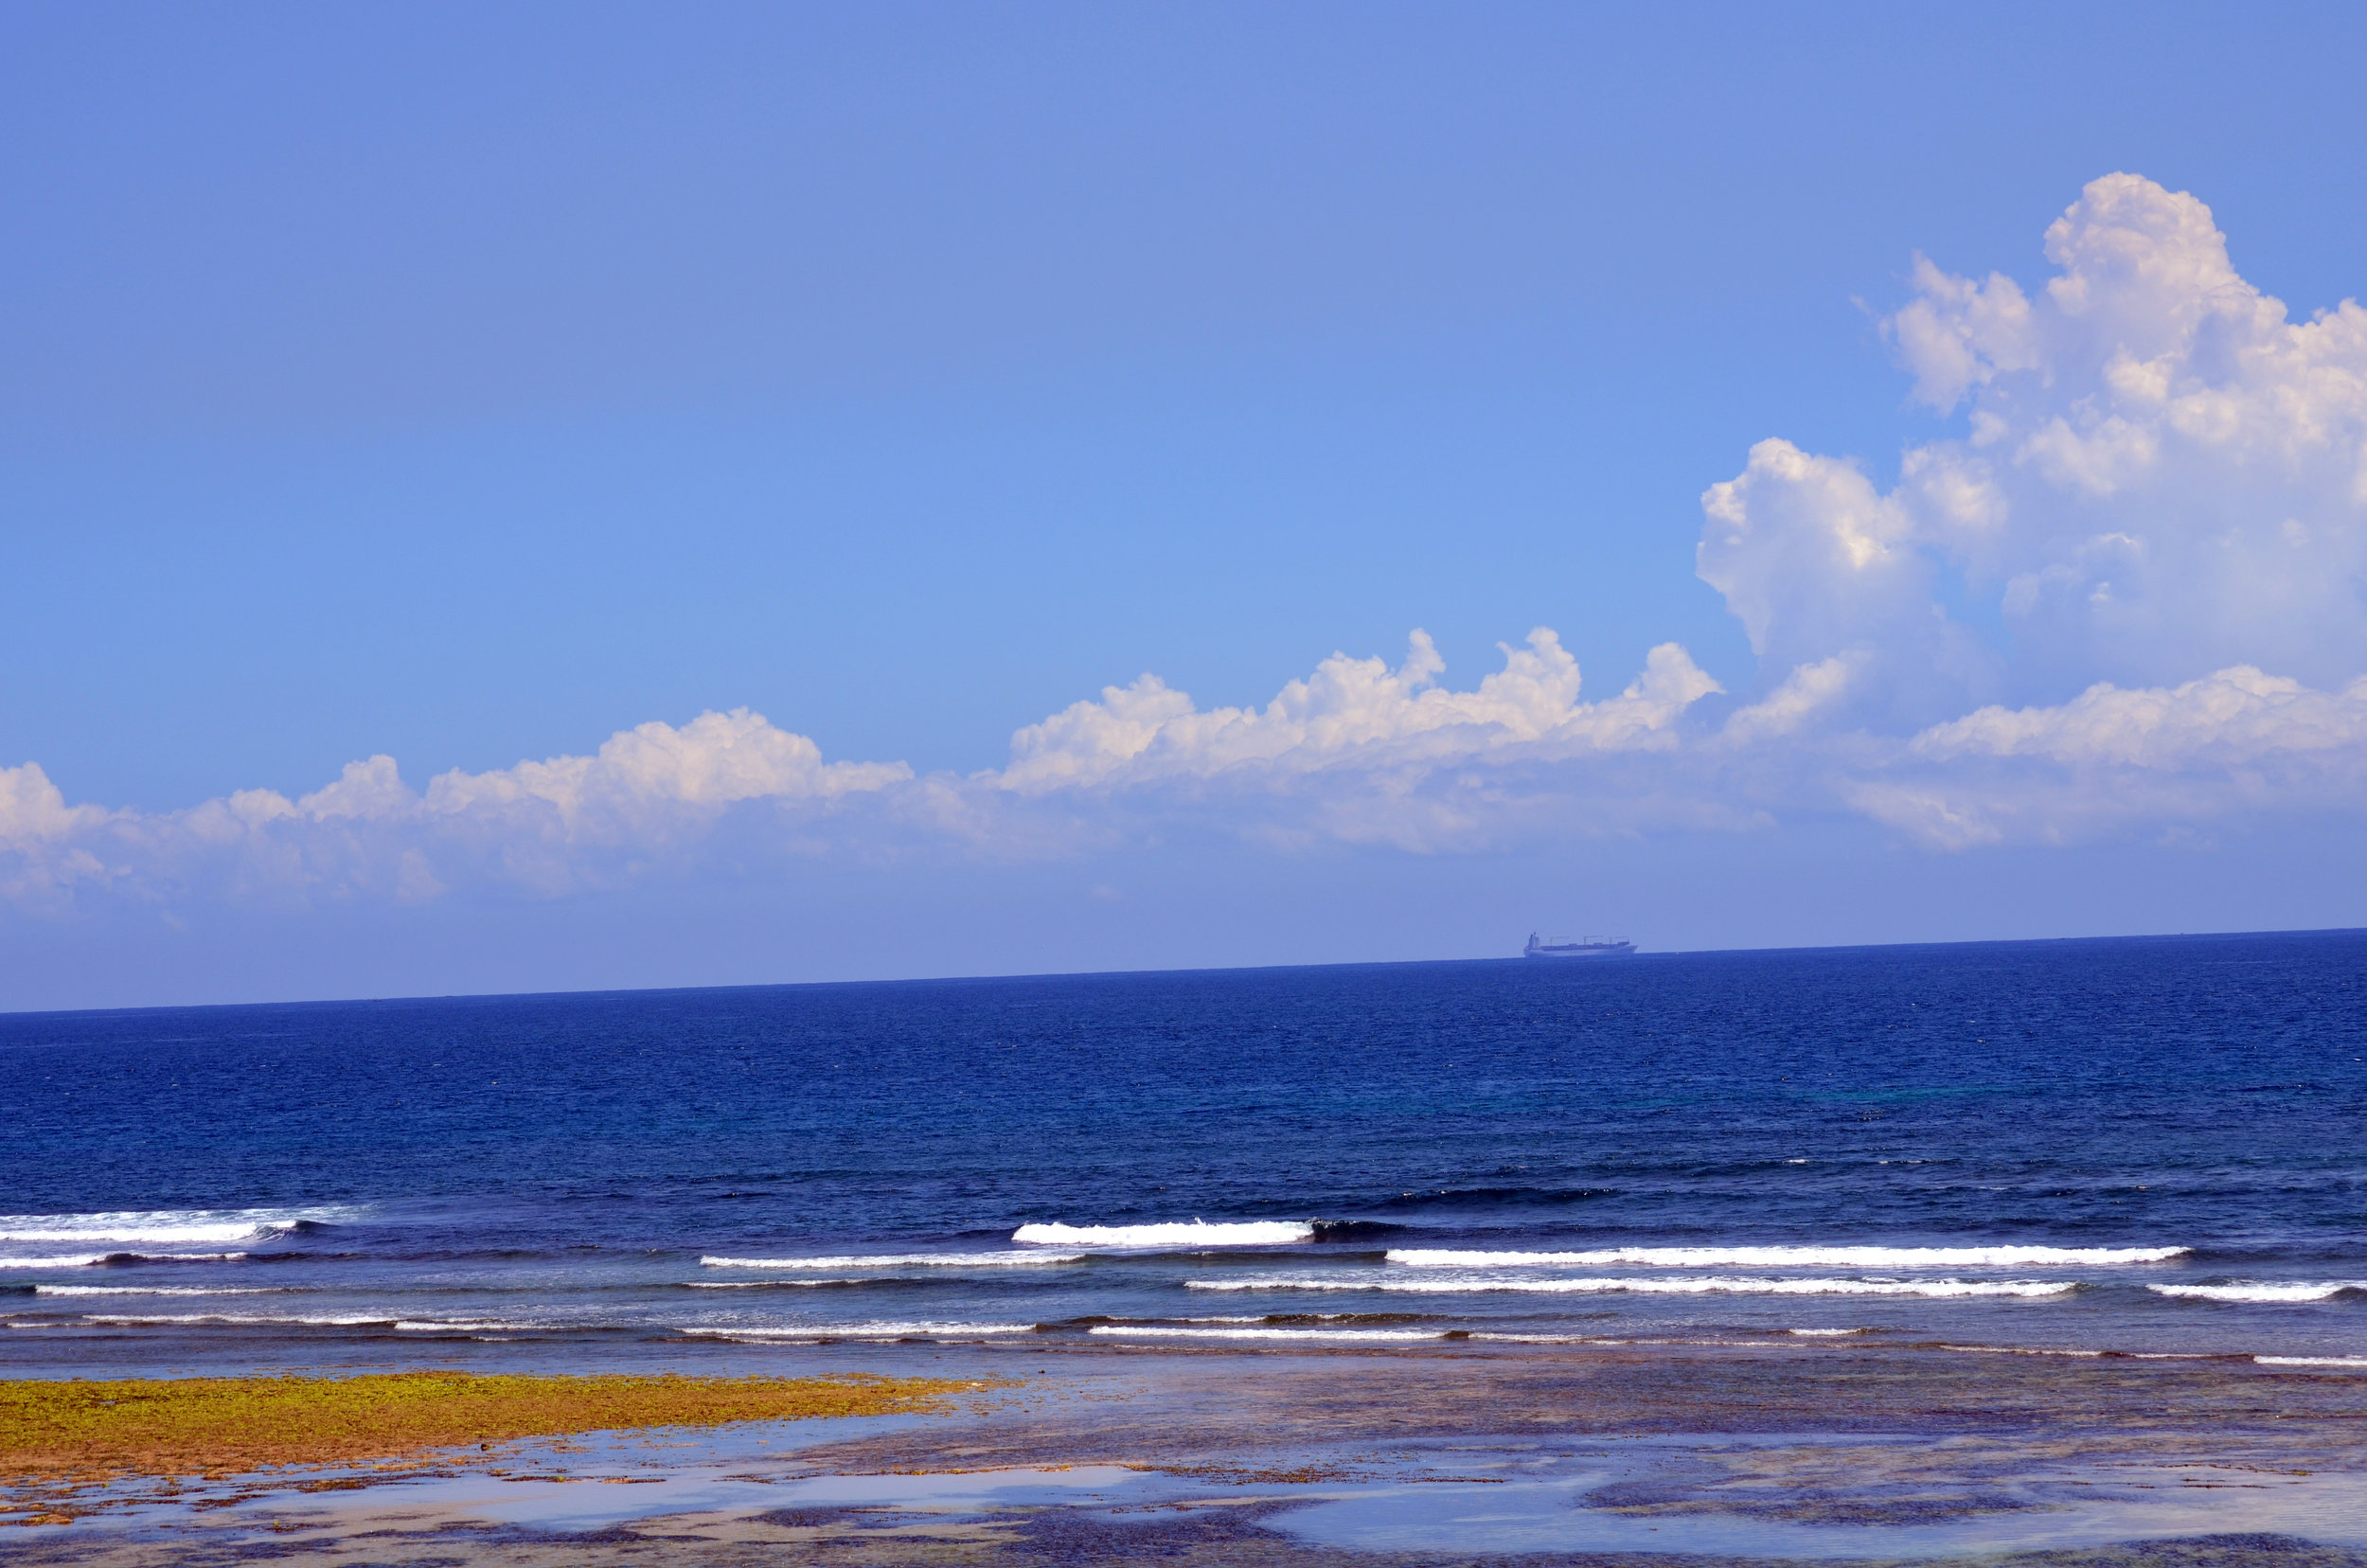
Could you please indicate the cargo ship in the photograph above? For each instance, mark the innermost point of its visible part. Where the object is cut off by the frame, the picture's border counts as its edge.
(1594, 947)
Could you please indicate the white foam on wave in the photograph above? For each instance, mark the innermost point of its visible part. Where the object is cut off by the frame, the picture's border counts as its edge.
(158, 1320)
(862, 1330)
(157, 1225)
(1133, 1331)
(2301, 1290)
(86, 1261)
(1826, 1333)
(464, 1325)
(155, 1289)
(902, 1260)
(1185, 1233)
(1709, 1285)
(1545, 1339)
(308, 1320)
(1601, 1339)
(769, 1284)
(1791, 1256)
(1269, 1318)
(2311, 1361)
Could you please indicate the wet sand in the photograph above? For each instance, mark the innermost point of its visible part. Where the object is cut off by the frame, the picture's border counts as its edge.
(1546, 1455)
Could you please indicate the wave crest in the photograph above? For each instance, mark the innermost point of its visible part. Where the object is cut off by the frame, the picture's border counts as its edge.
(2311, 1361)
(1365, 1335)
(157, 1289)
(2298, 1289)
(1791, 1256)
(760, 1333)
(1710, 1285)
(901, 1261)
(1184, 1233)
(161, 1225)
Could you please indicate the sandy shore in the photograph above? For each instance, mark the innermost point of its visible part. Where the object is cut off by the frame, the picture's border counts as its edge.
(1594, 1455)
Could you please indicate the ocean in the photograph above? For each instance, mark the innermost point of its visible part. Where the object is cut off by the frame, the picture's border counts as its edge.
(2145, 1147)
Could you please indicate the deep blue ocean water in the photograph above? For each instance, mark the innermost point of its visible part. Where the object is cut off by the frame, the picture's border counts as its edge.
(1736, 1147)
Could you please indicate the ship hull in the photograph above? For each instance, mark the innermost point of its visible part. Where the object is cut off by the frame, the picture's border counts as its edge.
(1588, 949)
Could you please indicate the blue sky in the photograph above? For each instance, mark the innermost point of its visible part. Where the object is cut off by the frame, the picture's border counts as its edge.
(466, 387)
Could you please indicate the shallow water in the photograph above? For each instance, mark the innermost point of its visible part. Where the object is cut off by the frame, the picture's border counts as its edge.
(1279, 1460)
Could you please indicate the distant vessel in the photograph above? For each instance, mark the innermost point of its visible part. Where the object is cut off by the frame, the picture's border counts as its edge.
(1594, 947)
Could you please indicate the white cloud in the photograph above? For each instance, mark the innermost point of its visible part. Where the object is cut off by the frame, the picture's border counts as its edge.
(33, 811)
(1355, 715)
(2235, 745)
(2234, 718)
(1958, 334)
(1355, 751)
(1818, 565)
(2161, 476)
(1363, 753)
(548, 826)
(2159, 488)
(1810, 695)
(40, 860)
(654, 781)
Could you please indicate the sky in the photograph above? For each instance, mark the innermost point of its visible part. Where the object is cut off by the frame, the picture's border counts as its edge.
(600, 496)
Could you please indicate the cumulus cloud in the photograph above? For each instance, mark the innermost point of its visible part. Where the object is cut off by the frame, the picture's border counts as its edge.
(1363, 753)
(2236, 718)
(1355, 752)
(2155, 479)
(549, 826)
(2159, 488)
(39, 857)
(2159, 474)
(1356, 715)
(654, 781)
(1818, 565)
(2232, 744)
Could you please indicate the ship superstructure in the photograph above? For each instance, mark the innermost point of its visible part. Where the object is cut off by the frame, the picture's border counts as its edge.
(1594, 947)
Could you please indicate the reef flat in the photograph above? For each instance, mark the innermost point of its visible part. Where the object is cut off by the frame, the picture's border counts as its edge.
(1541, 1457)
(59, 1437)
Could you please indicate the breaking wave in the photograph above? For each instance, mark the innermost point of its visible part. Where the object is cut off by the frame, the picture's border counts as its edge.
(469, 1326)
(1140, 1332)
(1488, 1338)
(1711, 1284)
(2305, 1290)
(1186, 1233)
(159, 1225)
(92, 1261)
(156, 1289)
(861, 1330)
(904, 1260)
(315, 1320)
(159, 1320)
(2311, 1361)
(1793, 1257)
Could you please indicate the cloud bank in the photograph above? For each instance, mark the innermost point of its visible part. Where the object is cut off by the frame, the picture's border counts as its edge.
(2156, 484)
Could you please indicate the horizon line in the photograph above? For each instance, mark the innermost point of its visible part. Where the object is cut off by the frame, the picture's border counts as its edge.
(7, 1014)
